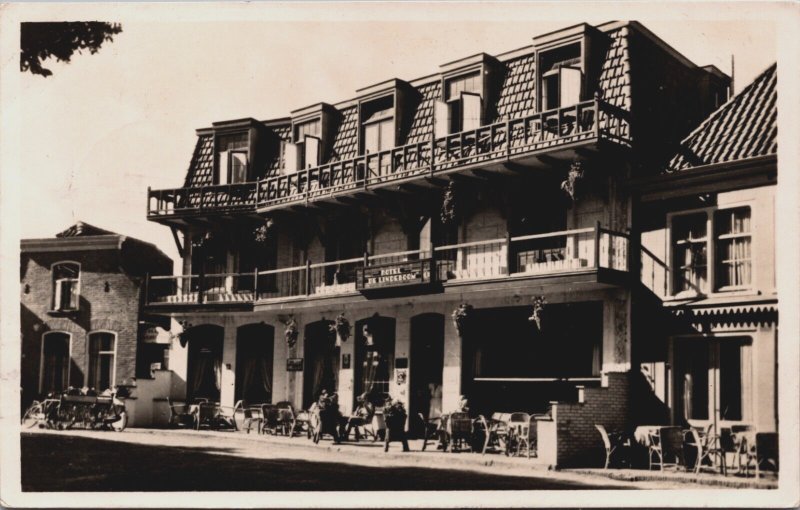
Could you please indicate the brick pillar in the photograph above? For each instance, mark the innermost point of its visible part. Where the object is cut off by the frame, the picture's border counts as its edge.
(451, 374)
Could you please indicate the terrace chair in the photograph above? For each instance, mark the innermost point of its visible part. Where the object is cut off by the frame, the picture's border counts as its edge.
(252, 416)
(181, 414)
(271, 421)
(460, 431)
(430, 427)
(524, 434)
(666, 444)
(743, 438)
(704, 444)
(360, 421)
(302, 422)
(611, 442)
(516, 422)
(286, 418)
(496, 433)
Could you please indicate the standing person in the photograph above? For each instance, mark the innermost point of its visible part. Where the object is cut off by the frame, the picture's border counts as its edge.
(395, 415)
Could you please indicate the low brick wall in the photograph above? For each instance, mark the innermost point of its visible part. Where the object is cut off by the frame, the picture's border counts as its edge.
(569, 437)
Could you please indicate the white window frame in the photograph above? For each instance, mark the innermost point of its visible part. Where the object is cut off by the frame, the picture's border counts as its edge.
(113, 353)
(55, 293)
(749, 385)
(41, 356)
(711, 252)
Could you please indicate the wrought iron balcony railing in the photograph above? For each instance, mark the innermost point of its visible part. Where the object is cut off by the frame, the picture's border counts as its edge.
(506, 140)
(538, 255)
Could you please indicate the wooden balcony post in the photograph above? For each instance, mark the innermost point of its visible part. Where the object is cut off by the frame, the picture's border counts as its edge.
(255, 284)
(597, 245)
(508, 138)
(308, 277)
(509, 258)
(433, 149)
(596, 118)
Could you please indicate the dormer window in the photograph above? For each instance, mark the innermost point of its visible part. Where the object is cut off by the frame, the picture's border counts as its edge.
(232, 158)
(378, 125)
(562, 76)
(467, 86)
(66, 286)
(305, 151)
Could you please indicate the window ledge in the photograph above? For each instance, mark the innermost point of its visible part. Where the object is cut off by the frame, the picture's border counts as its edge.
(61, 313)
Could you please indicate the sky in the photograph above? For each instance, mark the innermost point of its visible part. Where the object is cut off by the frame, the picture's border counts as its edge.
(101, 129)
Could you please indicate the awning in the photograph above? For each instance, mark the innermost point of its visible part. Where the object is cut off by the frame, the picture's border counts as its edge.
(729, 315)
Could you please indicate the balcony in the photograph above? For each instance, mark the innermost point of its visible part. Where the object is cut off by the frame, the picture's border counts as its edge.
(592, 252)
(555, 132)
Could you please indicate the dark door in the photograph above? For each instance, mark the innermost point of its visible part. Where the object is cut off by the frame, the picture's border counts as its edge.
(321, 370)
(254, 347)
(205, 363)
(427, 363)
(55, 363)
(374, 353)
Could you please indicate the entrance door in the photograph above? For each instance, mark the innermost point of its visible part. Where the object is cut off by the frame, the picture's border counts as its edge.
(254, 347)
(374, 353)
(205, 363)
(712, 381)
(427, 362)
(321, 371)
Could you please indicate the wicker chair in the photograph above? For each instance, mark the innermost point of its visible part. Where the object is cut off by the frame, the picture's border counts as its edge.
(460, 431)
(666, 447)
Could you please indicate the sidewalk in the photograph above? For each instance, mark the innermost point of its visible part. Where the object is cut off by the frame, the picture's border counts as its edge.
(367, 452)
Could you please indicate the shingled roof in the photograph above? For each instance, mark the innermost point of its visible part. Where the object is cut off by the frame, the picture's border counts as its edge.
(745, 127)
(82, 229)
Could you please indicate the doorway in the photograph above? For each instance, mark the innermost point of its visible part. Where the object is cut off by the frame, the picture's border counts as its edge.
(374, 357)
(254, 348)
(321, 371)
(205, 363)
(55, 363)
(427, 364)
(712, 381)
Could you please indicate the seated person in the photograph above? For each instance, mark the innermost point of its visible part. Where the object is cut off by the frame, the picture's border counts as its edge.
(362, 416)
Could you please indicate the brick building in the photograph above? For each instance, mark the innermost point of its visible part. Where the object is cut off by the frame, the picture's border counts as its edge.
(476, 228)
(82, 322)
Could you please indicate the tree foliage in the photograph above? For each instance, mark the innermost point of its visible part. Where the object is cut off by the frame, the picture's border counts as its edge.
(42, 40)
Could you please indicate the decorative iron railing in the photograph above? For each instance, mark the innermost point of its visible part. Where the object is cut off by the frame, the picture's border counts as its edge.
(548, 254)
(589, 120)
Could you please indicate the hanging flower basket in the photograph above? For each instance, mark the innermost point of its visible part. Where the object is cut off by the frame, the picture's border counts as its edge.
(261, 233)
(291, 332)
(450, 206)
(462, 316)
(341, 326)
(571, 184)
(538, 308)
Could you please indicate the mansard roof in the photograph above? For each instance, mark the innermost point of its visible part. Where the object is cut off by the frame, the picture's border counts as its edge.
(745, 127)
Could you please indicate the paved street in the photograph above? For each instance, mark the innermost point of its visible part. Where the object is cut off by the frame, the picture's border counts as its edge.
(164, 461)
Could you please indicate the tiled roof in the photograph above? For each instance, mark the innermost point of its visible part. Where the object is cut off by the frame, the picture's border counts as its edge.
(82, 229)
(615, 74)
(517, 95)
(344, 143)
(201, 169)
(745, 127)
(516, 98)
(422, 123)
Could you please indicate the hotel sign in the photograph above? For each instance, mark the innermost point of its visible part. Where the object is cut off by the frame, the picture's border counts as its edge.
(396, 274)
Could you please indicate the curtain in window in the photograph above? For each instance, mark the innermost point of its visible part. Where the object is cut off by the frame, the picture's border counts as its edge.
(371, 361)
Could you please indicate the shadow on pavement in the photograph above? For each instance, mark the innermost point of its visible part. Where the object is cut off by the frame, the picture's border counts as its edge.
(52, 462)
